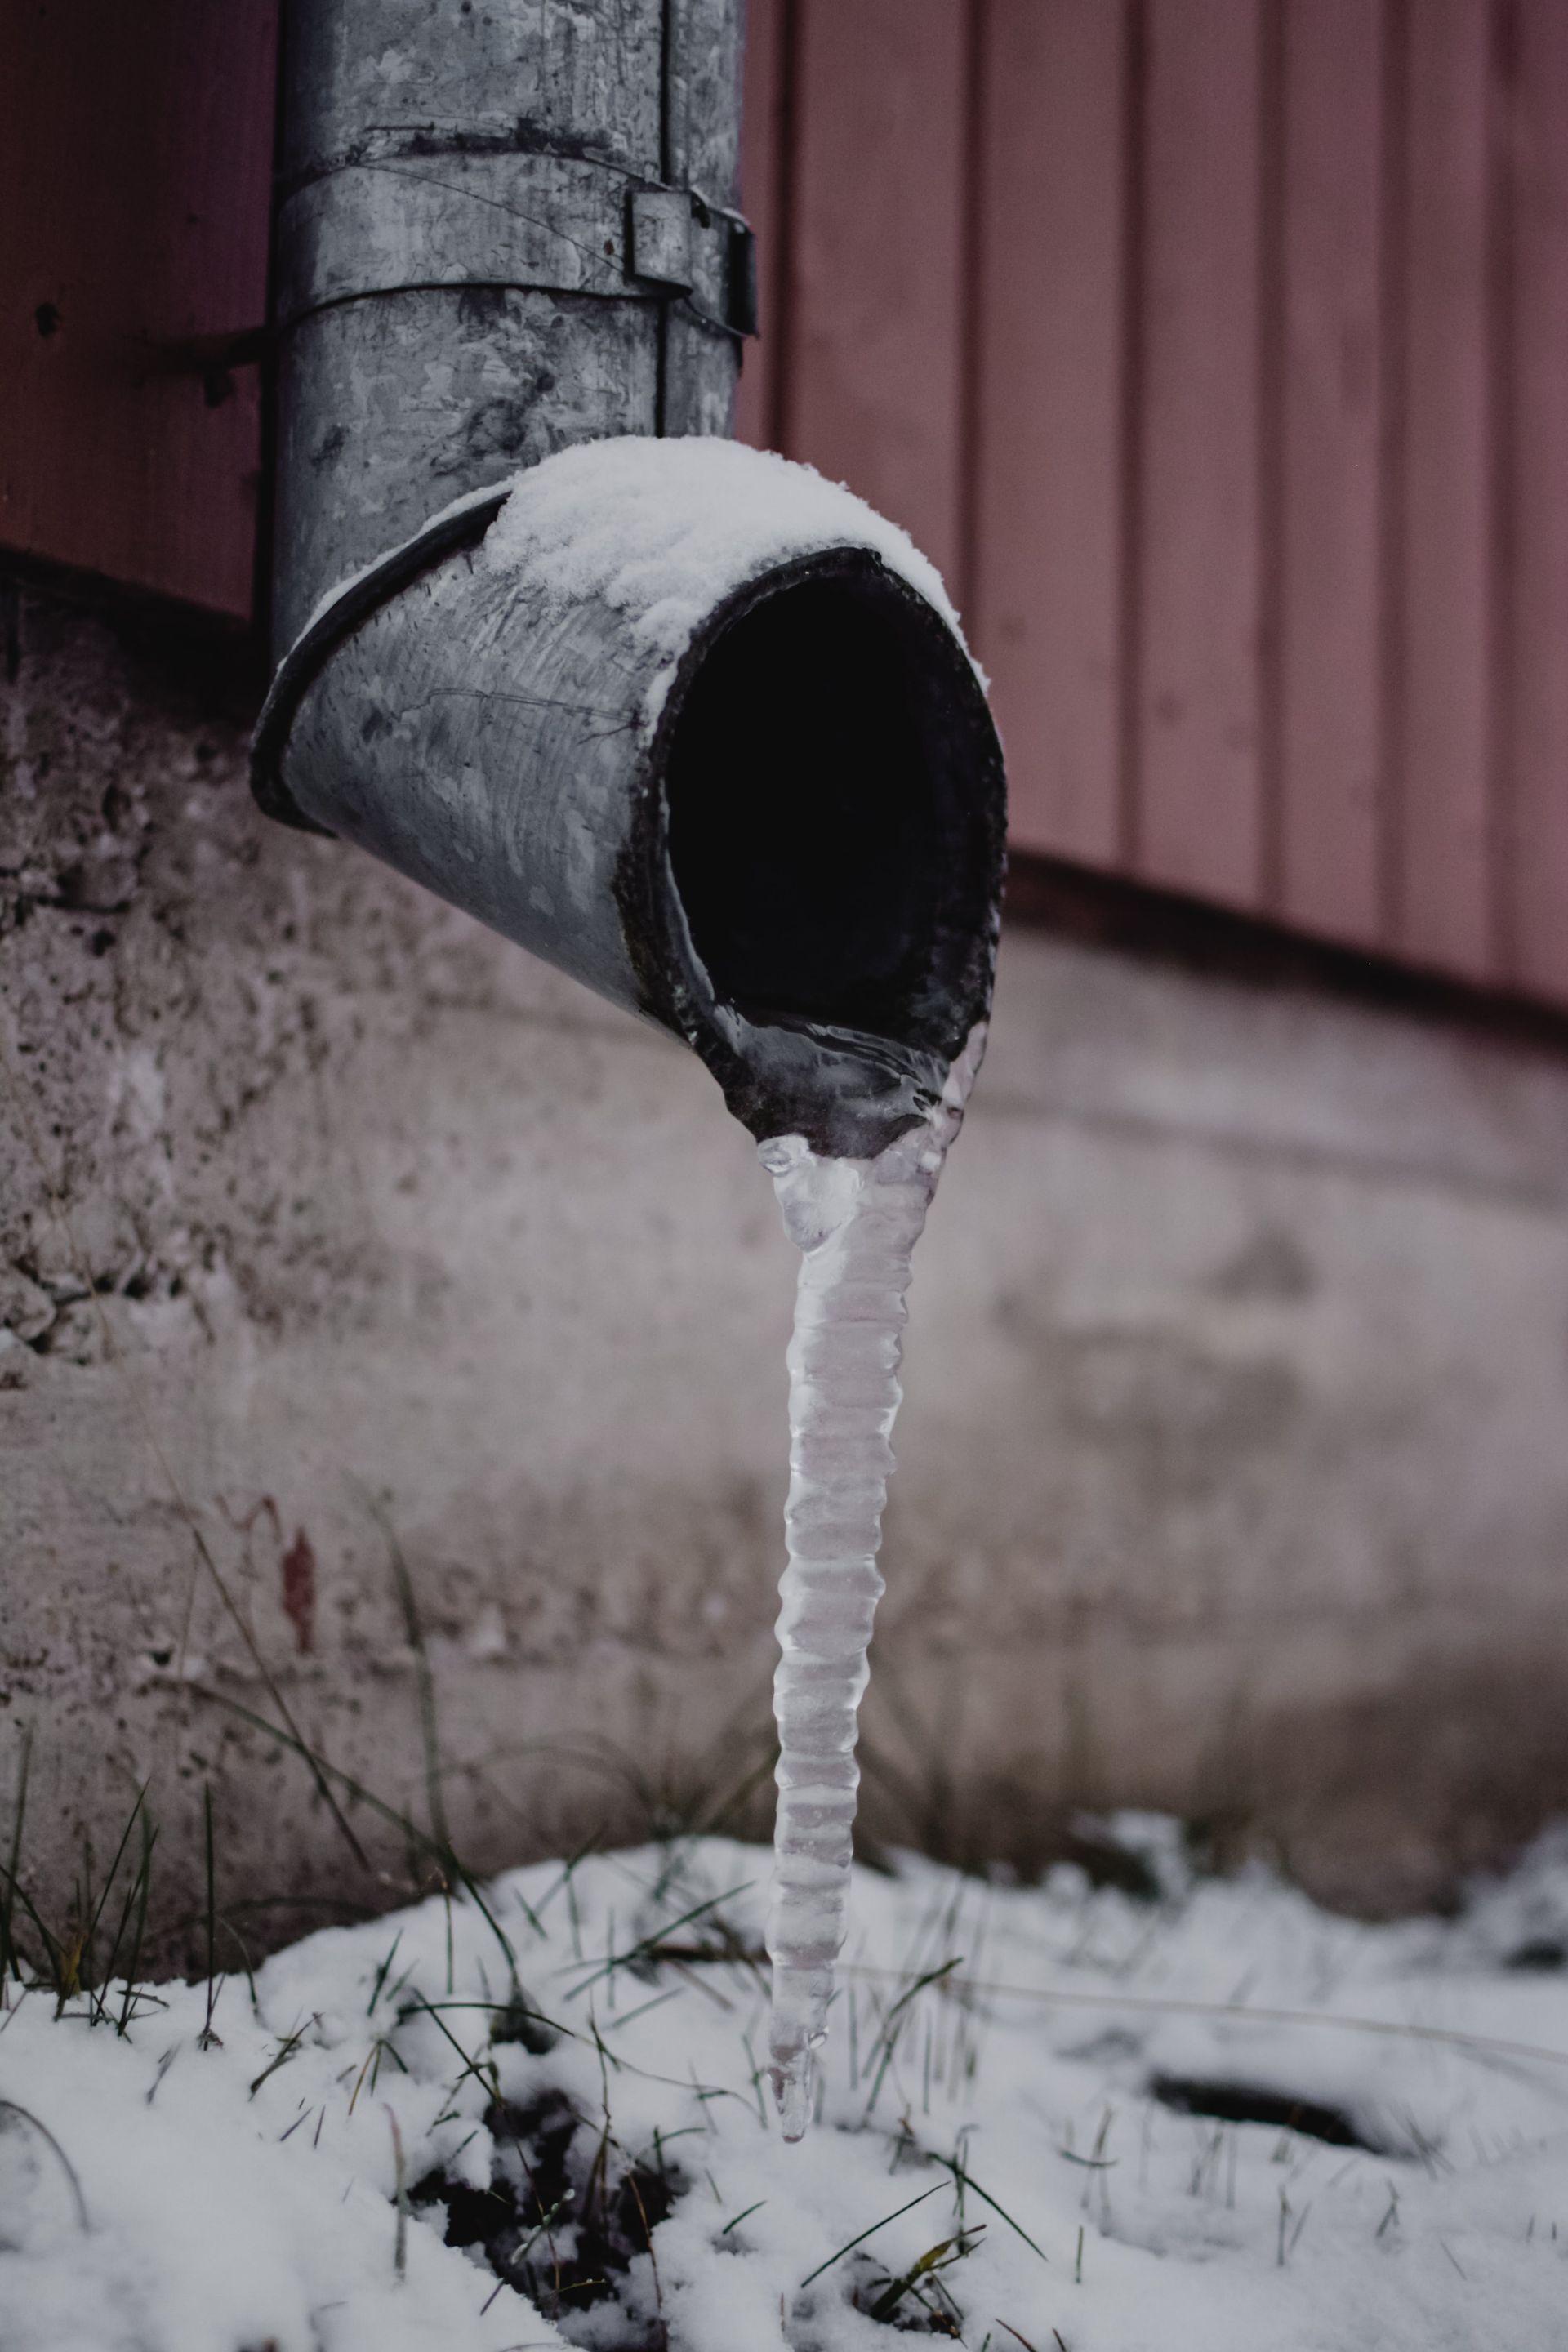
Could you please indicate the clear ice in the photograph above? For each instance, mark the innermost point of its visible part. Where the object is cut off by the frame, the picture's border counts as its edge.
(855, 1222)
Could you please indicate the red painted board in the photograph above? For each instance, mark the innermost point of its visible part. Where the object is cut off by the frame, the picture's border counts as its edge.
(1331, 427)
(1048, 516)
(873, 390)
(1537, 142)
(763, 193)
(1443, 884)
(135, 161)
(1197, 814)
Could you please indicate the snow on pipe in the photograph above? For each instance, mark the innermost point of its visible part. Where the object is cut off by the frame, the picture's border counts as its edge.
(680, 717)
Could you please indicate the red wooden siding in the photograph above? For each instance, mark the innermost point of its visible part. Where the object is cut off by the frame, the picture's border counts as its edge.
(1335, 416)
(1442, 902)
(1219, 351)
(1197, 811)
(136, 163)
(875, 288)
(1535, 908)
(1053, 212)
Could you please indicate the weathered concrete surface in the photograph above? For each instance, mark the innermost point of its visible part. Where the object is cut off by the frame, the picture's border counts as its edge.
(1234, 1475)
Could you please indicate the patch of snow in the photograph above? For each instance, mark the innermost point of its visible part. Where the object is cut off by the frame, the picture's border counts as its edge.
(999, 2084)
(666, 530)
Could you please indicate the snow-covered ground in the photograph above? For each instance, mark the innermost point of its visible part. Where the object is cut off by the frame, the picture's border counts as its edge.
(1001, 2101)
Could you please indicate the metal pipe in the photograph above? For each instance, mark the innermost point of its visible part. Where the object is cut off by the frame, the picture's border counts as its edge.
(504, 226)
(683, 718)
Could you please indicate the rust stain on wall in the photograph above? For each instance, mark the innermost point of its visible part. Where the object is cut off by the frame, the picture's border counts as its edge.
(298, 1567)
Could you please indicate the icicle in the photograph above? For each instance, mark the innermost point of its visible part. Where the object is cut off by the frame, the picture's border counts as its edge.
(855, 1222)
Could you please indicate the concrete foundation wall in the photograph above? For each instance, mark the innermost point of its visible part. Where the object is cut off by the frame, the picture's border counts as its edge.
(396, 1272)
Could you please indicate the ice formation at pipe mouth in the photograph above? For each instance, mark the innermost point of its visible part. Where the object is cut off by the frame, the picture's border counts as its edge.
(855, 1222)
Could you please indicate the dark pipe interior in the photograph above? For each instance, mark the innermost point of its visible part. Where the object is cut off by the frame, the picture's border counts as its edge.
(826, 833)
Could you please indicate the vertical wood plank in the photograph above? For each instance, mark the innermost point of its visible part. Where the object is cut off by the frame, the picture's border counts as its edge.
(1537, 145)
(1442, 904)
(763, 165)
(873, 390)
(1046, 605)
(1331, 734)
(1198, 797)
(136, 176)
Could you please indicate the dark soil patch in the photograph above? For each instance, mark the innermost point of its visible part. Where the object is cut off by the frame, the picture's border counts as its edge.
(565, 2214)
(1249, 2103)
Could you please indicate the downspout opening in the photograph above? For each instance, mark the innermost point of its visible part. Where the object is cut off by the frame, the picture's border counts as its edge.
(830, 777)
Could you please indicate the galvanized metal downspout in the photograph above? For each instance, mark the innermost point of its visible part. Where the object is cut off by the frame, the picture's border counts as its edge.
(478, 253)
(507, 227)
